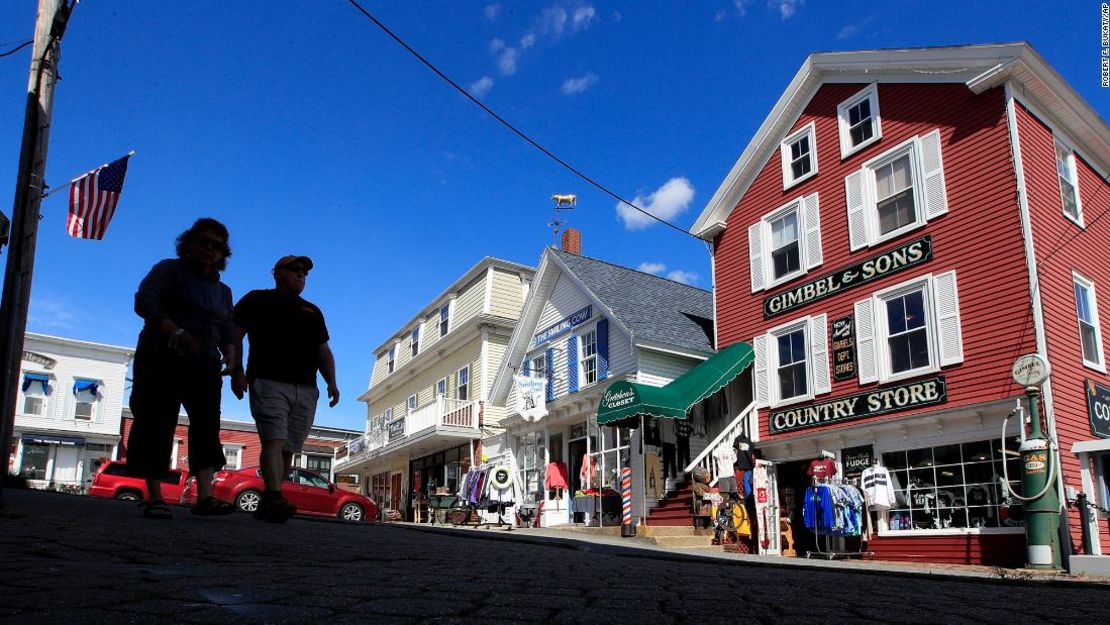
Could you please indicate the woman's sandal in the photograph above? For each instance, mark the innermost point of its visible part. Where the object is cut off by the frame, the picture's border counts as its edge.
(210, 506)
(156, 510)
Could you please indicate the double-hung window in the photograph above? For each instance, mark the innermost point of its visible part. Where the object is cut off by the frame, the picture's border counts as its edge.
(792, 362)
(859, 122)
(35, 391)
(587, 363)
(414, 339)
(1090, 335)
(86, 398)
(910, 329)
(896, 192)
(441, 387)
(1069, 182)
(391, 363)
(411, 405)
(539, 366)
(785, 243)
(444, 320)
(799, 156)
(462, 385)
(388, 415)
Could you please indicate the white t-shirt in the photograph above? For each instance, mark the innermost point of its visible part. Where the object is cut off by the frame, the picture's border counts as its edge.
(878, 486)
(725, 457)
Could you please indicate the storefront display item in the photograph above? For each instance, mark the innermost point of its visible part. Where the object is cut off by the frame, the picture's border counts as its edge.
(667, 434)
(725, 457)
(555, 477)
(822, 468)
(745, 452)
(878, 488)
(683, 429)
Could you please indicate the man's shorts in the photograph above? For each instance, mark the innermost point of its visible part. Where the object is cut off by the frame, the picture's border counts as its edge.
(283, 411)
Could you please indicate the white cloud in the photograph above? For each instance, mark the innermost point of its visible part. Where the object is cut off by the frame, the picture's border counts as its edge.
(667, 202)
(741, 6)
(685, 277)
(572, 86)
(583, 16)
(480, 87)
(719, 16)
(851, 30)
(552, 21)
(52, 313)
(787, 8)
(496, 45)
(506, 60)
(527, 41)
(492, 10)
(652, 268)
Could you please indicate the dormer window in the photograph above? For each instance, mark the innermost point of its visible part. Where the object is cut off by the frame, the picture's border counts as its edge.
(444, 320)
(392, 359)
(415, 339)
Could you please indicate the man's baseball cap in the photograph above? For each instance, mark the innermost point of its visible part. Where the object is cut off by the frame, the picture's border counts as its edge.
(292, 258)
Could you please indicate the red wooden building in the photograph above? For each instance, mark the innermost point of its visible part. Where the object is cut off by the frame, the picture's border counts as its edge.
(902, 227)
(242, 449)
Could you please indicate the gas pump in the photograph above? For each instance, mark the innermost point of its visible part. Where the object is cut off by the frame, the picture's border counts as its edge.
(1038, 470)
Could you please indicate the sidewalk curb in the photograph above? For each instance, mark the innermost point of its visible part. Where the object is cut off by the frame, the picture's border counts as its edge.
(585, 545)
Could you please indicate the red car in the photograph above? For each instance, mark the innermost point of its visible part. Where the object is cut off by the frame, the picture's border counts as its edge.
(111, 481)
(309, 491)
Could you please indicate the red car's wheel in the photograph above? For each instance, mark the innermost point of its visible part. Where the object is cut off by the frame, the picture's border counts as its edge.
(248, 500)
(351, 513)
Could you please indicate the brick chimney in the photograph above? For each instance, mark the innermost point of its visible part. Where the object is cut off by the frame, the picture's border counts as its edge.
(572, 241)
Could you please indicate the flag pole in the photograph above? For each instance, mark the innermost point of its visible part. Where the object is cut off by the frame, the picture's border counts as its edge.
(47, 194)
(50, 25)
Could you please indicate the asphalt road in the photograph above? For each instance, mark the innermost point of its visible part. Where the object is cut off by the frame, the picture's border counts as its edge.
(68, 559)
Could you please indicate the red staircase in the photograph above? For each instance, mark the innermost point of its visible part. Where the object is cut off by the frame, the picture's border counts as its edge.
(676, 509)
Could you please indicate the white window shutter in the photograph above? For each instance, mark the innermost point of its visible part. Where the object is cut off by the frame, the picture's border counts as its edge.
(865, 341)
(947, 305)
(761, 382)
(819, 348)
(755, 251)
(932, 175)
(857, 216)
(812, 221)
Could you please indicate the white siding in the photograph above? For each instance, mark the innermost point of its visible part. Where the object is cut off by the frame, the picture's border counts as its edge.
(658, 369)
(469, 303)
(507, 295)
(566, 299)
(75, 360)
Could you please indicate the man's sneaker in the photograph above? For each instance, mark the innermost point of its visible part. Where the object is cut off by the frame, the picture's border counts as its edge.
(275, 509)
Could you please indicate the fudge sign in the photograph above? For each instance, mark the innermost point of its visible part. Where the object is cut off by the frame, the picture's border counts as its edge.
(876, 402)
(898, 259)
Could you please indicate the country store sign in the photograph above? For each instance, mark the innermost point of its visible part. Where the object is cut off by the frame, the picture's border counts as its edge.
(898, 259)
(879, 401)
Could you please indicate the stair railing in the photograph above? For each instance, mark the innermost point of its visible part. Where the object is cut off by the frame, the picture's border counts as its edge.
(731, 431)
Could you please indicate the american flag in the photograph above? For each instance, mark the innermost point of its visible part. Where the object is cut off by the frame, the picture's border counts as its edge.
(93, 198)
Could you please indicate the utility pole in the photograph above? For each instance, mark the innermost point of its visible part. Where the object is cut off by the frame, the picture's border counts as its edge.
(50, 25)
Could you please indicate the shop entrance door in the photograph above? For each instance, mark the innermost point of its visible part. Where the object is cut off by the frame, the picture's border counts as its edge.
(395, 491)
(765, 487)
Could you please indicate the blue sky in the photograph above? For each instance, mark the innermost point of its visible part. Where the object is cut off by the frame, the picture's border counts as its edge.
(306, 130)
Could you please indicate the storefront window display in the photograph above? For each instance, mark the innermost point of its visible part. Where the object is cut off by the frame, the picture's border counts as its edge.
(35, 458)
(953, 486)
(530, 462)
(439, 471)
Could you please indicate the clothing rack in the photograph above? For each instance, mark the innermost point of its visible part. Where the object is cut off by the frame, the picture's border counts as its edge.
(824, 509)
(476, 496)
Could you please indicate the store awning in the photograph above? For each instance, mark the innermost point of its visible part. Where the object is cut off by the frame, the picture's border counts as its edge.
(50, 439)
(624, 402)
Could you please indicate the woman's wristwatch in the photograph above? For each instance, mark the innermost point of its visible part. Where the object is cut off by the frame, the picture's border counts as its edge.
(174, 337)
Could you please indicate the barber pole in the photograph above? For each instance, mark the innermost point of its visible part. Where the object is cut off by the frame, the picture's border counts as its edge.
(626, 498)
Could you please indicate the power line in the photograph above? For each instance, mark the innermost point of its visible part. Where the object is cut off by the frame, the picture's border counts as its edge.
(508, 125)
(17, 48)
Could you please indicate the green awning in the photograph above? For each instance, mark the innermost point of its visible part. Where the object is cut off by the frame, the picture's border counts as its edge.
(625, 401)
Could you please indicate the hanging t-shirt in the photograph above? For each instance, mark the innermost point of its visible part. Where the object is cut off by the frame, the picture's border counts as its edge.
(745, 452)
(556, 475)
(725, 457)
(821, 469)
(878, 486)
(666, 431)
